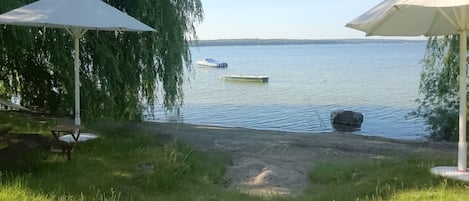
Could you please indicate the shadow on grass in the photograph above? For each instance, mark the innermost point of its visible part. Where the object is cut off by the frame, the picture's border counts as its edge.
(127, 162)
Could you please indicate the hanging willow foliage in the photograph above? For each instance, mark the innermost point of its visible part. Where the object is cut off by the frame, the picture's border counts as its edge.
(439, 85)
(121, 72)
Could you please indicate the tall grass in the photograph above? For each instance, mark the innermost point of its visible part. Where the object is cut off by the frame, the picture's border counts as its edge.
(17, 189)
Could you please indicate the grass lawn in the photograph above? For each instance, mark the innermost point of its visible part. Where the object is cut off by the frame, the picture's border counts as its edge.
(130, 162)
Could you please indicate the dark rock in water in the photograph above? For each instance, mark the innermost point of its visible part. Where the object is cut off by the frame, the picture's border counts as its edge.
(344, 120)
(345, 128)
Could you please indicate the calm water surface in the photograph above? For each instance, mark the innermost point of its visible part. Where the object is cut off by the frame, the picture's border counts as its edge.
(306, 83)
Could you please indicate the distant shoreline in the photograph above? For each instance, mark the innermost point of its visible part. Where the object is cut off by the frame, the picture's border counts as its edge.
(250, 42)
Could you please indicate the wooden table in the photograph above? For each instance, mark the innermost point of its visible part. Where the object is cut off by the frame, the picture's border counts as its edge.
(64, 129)
(73, 130)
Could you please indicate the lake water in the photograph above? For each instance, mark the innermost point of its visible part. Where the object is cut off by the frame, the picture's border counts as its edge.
(306, 83)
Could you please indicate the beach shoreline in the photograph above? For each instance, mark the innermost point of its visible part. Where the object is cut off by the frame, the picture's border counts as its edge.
(269, 162)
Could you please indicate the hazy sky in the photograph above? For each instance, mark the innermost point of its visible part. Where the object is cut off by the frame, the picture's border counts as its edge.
(292, 19)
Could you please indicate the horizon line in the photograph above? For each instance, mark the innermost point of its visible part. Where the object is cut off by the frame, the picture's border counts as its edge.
(401, 39)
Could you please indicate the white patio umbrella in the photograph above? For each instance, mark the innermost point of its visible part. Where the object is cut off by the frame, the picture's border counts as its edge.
(77, 17)
(427, 18)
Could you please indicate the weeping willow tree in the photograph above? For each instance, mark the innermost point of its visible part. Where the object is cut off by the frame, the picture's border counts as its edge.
(439, 86)
(121, 73)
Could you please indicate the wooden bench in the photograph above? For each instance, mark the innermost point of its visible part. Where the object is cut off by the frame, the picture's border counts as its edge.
(4, 139)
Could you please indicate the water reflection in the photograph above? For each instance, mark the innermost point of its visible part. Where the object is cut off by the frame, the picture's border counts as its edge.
(346, 128)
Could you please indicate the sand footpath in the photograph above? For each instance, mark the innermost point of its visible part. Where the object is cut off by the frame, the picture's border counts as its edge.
(272, 162)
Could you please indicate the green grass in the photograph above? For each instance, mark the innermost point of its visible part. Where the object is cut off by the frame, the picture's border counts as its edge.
(25, 123)
(399, 177)
(107, 169)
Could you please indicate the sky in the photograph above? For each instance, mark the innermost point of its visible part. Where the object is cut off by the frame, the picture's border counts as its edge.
(281, 19)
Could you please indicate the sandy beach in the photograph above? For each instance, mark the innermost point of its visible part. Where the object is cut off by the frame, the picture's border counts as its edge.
(277, 163)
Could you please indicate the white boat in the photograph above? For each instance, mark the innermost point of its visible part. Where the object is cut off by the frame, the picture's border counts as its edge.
(209, 62)
(245, 78)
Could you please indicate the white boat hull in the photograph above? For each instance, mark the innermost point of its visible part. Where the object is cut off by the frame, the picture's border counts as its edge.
(211, 63)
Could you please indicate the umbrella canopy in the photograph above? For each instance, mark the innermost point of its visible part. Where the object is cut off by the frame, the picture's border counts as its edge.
(82, 14)
(414, 18)
(76, 16)
(427, 18)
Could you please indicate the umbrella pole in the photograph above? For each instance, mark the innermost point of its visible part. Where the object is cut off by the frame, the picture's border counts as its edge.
(76, 34)
(462, 145)
(77, 79)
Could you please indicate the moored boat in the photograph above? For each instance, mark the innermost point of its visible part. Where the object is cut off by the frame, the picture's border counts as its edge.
(246, 78)
(209, 62)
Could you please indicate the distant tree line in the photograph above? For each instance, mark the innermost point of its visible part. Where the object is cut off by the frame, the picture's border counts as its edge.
(121, 72)
(243, 42)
